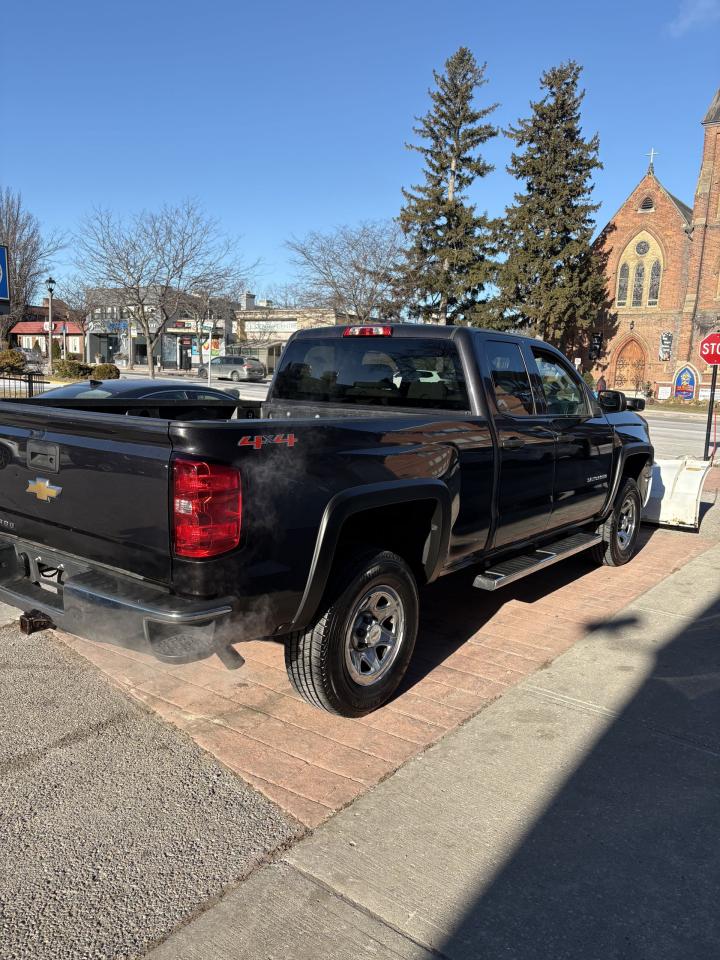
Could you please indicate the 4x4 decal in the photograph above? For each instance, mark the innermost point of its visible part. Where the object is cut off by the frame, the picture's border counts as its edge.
(259, 440)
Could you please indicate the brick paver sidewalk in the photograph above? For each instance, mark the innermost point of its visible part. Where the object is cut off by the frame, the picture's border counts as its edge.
(472, 647)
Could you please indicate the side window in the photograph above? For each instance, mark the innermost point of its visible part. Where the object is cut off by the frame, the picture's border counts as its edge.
(216, 361)
(511, 383)
(199, 395)
(165, 395)
(563, 395)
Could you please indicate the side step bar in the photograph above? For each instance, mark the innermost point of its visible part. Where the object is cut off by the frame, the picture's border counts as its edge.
(507, 571)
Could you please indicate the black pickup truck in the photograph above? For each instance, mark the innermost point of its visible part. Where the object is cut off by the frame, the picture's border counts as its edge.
(383, 458)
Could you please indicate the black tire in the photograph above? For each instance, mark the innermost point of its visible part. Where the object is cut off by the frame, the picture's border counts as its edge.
(235, 376)
(617, 547)
(326, 662)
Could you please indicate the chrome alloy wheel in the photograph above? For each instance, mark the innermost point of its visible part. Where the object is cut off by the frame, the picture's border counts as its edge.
(626, 522)
(375, 635)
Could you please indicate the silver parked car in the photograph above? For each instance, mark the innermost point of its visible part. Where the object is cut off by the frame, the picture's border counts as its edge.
(234, 368)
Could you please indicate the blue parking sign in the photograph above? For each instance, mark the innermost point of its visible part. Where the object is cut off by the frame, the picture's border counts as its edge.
(4, 282)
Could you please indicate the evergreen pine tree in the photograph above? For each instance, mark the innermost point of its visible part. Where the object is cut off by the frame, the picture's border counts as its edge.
(551, 281)
(447, 259)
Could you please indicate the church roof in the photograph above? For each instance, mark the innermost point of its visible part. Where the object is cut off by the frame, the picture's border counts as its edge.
(713, 114)
(684, 209)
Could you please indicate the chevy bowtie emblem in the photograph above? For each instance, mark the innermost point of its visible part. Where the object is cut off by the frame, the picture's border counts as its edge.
(43, 489)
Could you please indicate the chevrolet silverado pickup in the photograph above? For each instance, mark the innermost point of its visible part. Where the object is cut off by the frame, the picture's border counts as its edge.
(383, 458)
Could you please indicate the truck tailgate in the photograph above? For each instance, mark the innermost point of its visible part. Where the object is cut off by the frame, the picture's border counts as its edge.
(90, 484)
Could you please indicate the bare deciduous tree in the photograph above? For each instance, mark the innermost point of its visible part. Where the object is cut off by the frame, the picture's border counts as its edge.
(155, 261)
(29, 255)
(290, 296)
(81, 300)
(351, 270)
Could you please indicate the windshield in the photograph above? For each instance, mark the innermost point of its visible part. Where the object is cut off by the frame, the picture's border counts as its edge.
(399, 373)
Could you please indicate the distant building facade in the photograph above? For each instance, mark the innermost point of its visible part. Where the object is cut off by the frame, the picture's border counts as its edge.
(663, 273)
(31, 333)
(262, 329)
(116, 336)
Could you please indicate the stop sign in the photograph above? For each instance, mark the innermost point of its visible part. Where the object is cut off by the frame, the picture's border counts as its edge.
(710, 349)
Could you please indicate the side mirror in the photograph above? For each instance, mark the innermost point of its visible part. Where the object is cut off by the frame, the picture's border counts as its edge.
(612, 401)
(635, 403)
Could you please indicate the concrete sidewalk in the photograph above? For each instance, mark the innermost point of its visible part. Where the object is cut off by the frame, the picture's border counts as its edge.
(575, 817)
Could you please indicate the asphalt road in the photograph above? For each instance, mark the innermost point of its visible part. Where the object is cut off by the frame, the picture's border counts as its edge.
(114, 827)
(675, 435)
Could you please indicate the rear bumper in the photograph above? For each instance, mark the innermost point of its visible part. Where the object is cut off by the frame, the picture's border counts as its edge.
(108, 606)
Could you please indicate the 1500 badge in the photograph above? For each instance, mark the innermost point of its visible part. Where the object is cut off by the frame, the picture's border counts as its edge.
(260, 440)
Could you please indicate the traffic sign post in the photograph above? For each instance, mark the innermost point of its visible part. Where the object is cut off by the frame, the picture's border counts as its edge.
(710, 353)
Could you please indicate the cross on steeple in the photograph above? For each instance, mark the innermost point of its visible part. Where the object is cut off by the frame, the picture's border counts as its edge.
(653, 153)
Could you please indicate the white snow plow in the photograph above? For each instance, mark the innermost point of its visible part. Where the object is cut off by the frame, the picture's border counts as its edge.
(675, 492)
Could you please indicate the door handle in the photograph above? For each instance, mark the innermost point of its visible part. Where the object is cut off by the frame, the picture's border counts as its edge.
(513, 443)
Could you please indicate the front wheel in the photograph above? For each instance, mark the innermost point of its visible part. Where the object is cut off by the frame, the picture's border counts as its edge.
(621, 529)
(352, 659)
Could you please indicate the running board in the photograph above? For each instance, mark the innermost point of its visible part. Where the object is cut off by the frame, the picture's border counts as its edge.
(507, 571)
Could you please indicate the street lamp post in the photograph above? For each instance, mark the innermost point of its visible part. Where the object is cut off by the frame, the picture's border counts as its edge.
(211, 325)
(50, 284)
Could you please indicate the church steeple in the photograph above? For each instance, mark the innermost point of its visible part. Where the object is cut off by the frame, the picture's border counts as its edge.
(713, 114)
(702, 289)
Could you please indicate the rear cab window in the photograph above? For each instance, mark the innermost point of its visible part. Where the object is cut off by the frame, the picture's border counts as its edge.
(423, 374)
(510, 379)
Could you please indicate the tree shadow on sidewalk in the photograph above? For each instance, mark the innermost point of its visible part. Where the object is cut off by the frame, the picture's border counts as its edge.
(625, 860)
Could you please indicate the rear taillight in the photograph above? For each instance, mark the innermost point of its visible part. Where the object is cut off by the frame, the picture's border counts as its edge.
(207, 508)
(367, 332)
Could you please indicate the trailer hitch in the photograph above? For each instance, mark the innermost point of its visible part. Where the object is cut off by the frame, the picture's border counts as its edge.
(32, 621)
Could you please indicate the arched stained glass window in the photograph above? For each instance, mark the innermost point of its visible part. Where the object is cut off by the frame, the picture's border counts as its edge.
(654, 291)
(638, 284)
(622, 289)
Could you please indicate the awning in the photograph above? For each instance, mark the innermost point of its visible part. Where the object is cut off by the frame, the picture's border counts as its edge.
(27, 327)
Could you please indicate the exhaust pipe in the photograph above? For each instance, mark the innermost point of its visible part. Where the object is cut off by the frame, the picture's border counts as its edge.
(32, 621)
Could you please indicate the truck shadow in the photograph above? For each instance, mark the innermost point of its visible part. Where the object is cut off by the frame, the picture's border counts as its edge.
(452, 610)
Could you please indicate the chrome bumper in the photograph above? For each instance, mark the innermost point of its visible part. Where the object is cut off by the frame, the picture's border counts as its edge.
(107, 606)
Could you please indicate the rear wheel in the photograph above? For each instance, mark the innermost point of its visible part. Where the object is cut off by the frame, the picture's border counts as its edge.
(352, 659)
(235, 376)
(620, 531)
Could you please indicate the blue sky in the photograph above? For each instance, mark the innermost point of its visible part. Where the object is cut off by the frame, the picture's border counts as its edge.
(283, 117)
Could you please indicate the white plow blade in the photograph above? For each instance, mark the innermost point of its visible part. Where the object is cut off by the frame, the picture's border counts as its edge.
(675, 492)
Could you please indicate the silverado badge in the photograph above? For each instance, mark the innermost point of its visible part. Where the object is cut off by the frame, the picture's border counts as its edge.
(43, 489)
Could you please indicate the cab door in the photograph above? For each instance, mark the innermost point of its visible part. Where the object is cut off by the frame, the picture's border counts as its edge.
(584, 438)
(526, 445)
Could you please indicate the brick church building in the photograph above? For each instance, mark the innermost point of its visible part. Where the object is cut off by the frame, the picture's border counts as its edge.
(663, 270)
